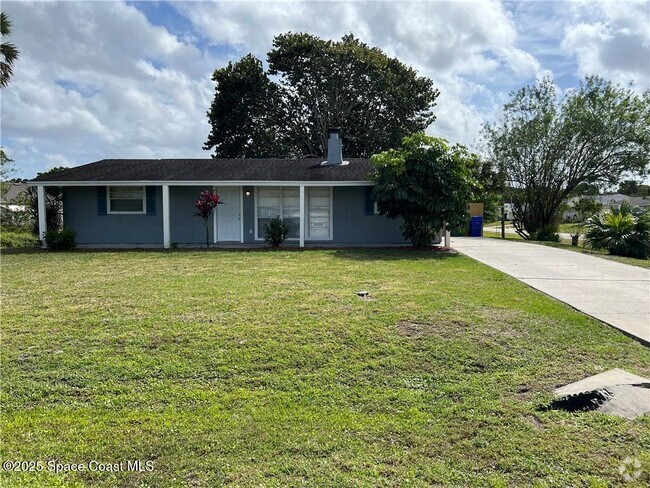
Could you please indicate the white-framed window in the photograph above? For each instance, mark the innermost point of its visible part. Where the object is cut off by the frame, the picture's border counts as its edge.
(126, 200)
(319, 213)
(278, 201)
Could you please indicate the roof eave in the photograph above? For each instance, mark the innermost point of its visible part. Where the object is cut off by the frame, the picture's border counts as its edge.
(202, 183)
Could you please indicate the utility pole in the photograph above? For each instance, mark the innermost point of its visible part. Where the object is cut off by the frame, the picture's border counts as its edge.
(503, 221)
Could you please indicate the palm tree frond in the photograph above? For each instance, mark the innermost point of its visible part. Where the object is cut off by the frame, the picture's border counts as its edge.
(620, 231)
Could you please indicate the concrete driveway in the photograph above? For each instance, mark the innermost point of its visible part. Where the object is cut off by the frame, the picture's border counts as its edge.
(618, 294)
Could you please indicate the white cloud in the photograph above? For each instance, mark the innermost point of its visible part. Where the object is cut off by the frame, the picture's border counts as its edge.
(446, 41)
(56, 160)
(611, 39)
(112, 85)
(98, 79)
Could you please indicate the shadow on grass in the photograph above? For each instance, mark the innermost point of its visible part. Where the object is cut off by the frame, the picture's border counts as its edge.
(350, 253)
(21, 250)
(392, 254)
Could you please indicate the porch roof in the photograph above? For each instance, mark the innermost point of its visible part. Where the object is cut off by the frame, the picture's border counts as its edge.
(206, 170)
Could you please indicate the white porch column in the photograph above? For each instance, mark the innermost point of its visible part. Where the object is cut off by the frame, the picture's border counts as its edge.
(42, 217)
(165, 215)
(447, 235)
(214, 220)
(302, 215)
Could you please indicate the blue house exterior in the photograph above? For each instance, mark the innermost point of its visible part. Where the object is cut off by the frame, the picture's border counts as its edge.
(150, 203)
(350, 221)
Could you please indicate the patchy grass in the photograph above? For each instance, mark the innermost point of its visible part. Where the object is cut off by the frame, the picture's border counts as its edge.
(266, 369)
(643, 263)
(17, 239)
(571, 227)
(564, 244)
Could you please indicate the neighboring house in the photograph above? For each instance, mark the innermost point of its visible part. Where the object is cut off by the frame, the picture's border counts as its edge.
(509, 211)
(643, 202)
(607, 201)
(13, 195)
(149, 203)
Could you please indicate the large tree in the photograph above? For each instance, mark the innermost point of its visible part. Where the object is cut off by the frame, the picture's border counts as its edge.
(548, 146)
(244, 112)
(425, 182)
(313, 84)
(8, 51)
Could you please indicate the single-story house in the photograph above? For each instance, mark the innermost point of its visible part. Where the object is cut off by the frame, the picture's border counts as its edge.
(607, 201)
(149, 202)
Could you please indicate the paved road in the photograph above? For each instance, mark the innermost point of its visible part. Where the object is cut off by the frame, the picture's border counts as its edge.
(618, 294)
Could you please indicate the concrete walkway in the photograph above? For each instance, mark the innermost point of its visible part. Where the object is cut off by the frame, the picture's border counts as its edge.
(618, 294)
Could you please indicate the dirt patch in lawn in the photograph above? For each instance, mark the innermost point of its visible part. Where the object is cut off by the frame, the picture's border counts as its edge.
(489, 323)
(416, 329)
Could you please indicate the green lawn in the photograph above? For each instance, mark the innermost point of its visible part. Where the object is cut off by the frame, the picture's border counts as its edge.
(266, 369)
(566, 245)
(570, 228)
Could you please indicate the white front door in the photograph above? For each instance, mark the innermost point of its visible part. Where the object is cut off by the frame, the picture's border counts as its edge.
(229, 214)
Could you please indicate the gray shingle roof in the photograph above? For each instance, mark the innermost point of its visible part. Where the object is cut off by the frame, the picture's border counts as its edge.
(214, 170)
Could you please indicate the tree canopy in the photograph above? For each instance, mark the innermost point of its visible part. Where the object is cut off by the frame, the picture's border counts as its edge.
(425, 182)
(548, 146)
(633, 188)
(313, 84)
(244, 112)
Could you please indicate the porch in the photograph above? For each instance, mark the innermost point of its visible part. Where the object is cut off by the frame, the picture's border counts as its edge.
(124, 214)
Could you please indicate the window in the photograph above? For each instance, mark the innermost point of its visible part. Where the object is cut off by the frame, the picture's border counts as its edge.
(276, 201)
(319, 213)
(126, 199)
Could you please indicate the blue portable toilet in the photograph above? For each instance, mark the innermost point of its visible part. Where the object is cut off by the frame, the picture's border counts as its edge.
(476, 226)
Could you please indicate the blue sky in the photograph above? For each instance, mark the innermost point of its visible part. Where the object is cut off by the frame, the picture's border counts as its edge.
(113, 79)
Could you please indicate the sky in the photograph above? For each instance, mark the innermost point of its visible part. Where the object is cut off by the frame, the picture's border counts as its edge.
(115, 79)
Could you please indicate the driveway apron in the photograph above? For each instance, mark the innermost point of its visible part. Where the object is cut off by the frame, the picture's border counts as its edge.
(616, 293)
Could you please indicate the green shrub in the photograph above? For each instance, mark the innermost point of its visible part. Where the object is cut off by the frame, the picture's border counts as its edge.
(620, 232)
(60, 240)
(548, 233)
(275, 232)
(15, 220)
(11, 238)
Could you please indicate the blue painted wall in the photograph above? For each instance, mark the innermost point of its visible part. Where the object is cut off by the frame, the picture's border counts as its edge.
(80, 213)
(185, 227)
(354, 223)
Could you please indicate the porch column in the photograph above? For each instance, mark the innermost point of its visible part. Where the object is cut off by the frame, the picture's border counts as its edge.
(447, 235)
(42, 217)
(165, 216)
(302, 215)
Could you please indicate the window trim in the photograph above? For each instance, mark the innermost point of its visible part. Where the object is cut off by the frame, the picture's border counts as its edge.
(255, 191)
(330, 237)
(127, 212)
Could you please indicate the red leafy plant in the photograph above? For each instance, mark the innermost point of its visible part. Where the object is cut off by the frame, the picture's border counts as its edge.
(205, 205)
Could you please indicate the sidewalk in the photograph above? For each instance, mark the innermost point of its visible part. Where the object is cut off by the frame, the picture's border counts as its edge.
(616, 293)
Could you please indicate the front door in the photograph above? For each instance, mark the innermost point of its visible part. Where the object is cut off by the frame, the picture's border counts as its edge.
(229, 214)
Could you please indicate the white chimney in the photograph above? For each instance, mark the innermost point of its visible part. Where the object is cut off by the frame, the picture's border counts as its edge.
(334, 149)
